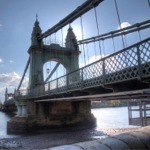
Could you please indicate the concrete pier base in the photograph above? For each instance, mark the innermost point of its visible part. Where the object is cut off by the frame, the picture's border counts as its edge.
(60, 114)
(17, 125)
(53, 115)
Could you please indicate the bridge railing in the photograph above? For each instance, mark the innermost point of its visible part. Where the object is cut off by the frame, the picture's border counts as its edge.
(130, 63)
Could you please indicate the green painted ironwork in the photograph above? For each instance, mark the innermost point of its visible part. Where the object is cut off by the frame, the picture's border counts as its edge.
(128, 64)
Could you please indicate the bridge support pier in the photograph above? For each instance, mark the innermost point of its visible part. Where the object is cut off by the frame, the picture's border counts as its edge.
(22, 108)
(17, 125)
(50, 115)
(53, 116)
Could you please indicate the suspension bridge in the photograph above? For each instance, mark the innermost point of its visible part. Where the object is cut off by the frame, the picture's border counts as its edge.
(64, 100)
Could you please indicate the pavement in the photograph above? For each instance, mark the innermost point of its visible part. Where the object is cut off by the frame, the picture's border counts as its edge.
(137, 139)
(53, 139)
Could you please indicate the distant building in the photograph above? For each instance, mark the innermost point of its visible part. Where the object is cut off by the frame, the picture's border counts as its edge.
(1, 105)
(9, 105)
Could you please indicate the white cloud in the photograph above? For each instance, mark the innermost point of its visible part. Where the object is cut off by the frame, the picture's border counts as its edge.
(1, 60)
(96, 69)
(11, 61)
(124, 25)
(91, 60)
(10, 81)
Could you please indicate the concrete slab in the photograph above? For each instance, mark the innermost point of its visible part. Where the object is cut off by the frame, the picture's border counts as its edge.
(139, 139)
(115, 144)
(131, 141)
(65, 147)
(92, 145)
(144, 138)
(145, 130)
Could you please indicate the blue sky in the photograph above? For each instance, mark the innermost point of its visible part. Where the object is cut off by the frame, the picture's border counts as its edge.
(17, 18)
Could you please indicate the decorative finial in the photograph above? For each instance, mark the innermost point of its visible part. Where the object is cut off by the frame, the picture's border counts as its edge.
(6, 91)
(36, 17)
(70, 28)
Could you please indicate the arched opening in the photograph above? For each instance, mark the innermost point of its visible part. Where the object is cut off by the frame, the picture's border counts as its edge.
(53, 70)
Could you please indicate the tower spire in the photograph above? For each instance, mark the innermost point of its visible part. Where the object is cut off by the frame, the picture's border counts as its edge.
(36, 17)
(71, 41)
(36, 32)
(6, 94)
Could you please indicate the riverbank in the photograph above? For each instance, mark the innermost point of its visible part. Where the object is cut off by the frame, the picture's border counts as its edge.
(47, 140)
(110, 121)
(138, 139)
(109, 104)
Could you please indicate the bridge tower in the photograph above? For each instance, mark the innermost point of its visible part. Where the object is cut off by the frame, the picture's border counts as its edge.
(39, 54)
(56, 113)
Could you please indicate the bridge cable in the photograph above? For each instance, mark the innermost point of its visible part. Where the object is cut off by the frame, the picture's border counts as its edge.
(82, 38)
(50, 40)
(116, 33)
(113, 43)
(97, 25)
(50, 70)
(139, 32)
(87, 49)
(125, 41)
(27, 65)
(103, 46)
(45, 41)
(71, 50)
(149, 3)
(51, 73)
(95, 49)
(50, 65)
(57, 57)
(116, 6)
(125, 55)
(62, 36)
(55, 37)
(46, 69)
(87, 52)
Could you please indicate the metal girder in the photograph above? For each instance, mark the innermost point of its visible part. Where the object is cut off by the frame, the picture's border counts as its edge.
(57, 65)
(82, 9)
(128, 95)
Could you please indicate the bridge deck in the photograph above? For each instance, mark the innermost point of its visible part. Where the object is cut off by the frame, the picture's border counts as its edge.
(126, 70)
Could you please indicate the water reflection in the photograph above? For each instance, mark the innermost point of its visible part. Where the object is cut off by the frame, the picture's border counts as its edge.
(116, 117)
(3, 125)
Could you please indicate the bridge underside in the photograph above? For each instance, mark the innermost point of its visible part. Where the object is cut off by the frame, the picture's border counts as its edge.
(56, 115)
(127, 95)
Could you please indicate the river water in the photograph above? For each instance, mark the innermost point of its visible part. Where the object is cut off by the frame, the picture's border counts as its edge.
(3, 125)
(106, 118)
(116, 117)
